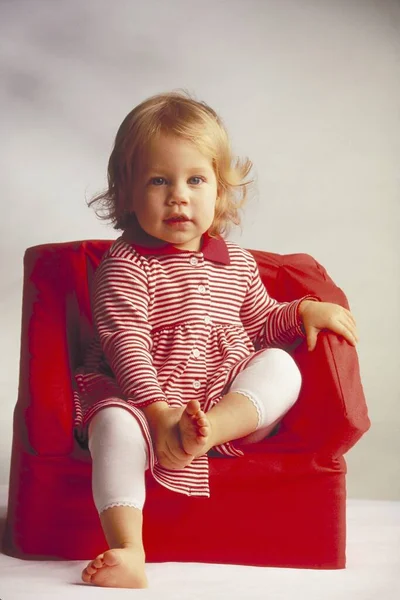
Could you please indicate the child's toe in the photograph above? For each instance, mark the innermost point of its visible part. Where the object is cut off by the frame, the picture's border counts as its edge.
(86, 577)
(98, 563)
(193, 407)
(90, 570)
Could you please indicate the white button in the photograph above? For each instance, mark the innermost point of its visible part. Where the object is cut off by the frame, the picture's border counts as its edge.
(196, 384)
(207, 320)
(201, 289)
(196, 352)
(193, 261)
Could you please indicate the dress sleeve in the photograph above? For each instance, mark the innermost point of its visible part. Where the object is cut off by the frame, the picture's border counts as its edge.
(267, 321)
(120, 311)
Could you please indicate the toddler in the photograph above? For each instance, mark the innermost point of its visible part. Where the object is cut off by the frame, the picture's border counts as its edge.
(186, 355)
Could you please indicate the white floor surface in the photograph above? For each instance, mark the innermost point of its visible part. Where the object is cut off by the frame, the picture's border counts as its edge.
(372, 573)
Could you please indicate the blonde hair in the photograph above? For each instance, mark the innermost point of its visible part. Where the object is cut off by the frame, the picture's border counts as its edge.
(174, 113)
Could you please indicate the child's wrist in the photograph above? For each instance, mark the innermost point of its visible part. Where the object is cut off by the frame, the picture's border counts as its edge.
(303, 305)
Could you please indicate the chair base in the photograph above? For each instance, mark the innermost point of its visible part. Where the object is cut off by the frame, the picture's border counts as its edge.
(282, 519)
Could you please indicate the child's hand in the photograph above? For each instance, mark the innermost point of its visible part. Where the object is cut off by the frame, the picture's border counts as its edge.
(325, 315)
(166, 439)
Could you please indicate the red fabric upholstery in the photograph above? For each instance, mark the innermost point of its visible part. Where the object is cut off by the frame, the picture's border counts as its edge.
(282, 504)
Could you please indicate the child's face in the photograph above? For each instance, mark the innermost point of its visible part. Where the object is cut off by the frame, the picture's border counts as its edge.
(176, 179)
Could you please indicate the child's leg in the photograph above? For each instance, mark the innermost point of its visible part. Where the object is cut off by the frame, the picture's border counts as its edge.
(119, 461)
(272, 381)
(257, 400)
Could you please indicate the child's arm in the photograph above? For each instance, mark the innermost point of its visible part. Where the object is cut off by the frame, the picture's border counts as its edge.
(272, 323)
(120, 313)
(267, 321)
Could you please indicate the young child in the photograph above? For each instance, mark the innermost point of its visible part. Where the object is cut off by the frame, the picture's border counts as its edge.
(186, 355)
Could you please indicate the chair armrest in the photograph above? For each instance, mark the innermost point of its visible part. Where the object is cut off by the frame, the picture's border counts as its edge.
(331, 413)
(288, 277)
(43, 416)
(301, 274)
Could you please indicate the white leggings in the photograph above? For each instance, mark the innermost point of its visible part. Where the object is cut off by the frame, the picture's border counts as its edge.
(272, 381)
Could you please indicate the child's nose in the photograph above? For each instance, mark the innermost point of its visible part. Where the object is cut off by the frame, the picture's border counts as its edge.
(178, 196)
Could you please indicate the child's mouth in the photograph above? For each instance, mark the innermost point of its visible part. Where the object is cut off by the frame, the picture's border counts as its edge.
(177, 221)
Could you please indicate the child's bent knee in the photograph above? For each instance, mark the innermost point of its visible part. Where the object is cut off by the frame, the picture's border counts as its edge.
(272, 380)
(113, 419)
(279, 365)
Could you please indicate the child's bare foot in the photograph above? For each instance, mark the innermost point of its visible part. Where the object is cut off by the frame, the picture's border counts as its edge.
(117, 568)
(195, 429)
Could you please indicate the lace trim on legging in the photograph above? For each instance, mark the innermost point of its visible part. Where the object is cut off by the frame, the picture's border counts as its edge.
(121, 503)
(254, 401)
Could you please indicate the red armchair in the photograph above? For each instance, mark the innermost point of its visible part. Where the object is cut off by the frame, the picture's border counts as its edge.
(281, 505)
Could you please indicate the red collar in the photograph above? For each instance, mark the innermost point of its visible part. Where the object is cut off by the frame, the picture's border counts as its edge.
(213, 249)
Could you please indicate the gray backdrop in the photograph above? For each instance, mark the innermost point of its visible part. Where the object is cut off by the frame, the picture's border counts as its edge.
(309, 90)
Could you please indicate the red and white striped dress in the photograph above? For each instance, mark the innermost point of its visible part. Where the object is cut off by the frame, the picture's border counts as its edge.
(176, 325)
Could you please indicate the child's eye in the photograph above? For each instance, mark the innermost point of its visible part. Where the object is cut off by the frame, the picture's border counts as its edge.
(196, 177)
(154, 180)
